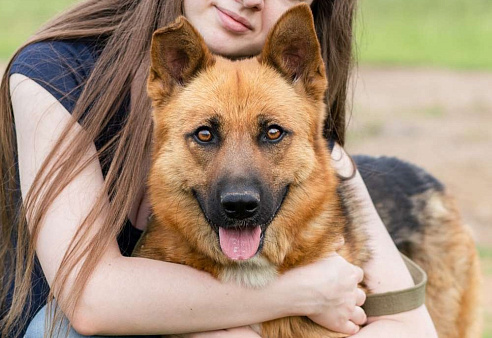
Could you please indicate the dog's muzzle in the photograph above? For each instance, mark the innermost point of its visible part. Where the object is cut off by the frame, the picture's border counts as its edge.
(239, 211)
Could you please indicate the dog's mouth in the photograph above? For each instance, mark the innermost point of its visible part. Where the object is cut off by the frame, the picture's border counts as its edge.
(245, 239)
(241, 243)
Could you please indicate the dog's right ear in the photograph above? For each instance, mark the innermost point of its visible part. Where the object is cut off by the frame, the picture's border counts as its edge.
(292, 48)
(178, 52)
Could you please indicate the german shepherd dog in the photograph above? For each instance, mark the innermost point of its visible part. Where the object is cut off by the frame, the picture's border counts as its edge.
(241, 184)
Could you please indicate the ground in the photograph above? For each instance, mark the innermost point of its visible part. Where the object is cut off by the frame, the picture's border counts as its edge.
(439, 120)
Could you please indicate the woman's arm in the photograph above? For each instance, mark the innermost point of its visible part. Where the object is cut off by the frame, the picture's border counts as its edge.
(141, 296)
(386, 270)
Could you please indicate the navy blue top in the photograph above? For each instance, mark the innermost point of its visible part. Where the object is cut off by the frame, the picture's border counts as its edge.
(62, 68)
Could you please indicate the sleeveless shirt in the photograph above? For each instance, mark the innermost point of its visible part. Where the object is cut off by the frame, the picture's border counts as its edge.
(62, 68)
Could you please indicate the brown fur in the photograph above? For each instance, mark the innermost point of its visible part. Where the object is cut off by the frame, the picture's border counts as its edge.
(446, 251)
(284, 86)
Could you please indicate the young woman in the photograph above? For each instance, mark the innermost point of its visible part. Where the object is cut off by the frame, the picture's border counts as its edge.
(75, 136)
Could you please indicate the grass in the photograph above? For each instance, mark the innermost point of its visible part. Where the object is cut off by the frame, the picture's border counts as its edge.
(486, 262)
(437, 33)
(19, 19)
(443, 33)
(487, 333)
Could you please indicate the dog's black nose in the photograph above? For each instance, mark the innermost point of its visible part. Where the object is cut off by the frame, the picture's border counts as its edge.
(240, 205)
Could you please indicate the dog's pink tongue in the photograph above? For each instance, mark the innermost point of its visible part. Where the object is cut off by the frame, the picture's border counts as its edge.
(239, 244)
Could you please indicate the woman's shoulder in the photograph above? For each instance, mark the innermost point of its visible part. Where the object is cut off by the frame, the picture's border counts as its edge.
(60, 67)
(45, 57)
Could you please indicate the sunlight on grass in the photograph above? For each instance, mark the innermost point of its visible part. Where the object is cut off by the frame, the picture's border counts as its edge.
(19, 19)
(450, 33)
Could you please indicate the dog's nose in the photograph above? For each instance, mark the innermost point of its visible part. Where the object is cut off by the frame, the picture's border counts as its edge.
(240, 205)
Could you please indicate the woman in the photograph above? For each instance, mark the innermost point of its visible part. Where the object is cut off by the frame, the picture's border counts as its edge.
(82, 127)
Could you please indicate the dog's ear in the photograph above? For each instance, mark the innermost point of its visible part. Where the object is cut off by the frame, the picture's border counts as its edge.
(292, 48)
(178, 52)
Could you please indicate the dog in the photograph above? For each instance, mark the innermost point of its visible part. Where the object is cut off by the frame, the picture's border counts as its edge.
(241, 184)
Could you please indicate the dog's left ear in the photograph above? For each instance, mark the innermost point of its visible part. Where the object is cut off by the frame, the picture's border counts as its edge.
(292, 48)
(178, 52)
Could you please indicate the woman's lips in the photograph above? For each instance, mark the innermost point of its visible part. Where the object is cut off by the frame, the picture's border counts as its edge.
(233, 22)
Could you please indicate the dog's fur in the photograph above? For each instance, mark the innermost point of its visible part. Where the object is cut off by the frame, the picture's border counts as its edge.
(303, 208)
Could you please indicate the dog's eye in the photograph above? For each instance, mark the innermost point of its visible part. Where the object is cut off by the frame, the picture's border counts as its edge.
(274, 133)
(204, 135)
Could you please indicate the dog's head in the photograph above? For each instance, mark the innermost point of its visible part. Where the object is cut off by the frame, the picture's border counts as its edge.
(239, 164)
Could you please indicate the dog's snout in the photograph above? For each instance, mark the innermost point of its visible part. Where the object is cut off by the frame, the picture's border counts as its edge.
(240, 205)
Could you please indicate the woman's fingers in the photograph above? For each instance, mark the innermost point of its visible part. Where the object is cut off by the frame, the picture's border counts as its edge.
(359, 273)
(342, 162)
(358, 316)
(360, 298)
(337, 297)
(349, 328)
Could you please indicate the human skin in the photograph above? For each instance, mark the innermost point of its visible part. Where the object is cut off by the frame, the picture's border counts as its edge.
(215, 20)
(141, 305)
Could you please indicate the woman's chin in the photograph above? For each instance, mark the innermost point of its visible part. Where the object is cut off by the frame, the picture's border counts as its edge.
(234, 49)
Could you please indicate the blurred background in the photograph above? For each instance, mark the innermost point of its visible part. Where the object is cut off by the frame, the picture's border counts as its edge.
(422, 91)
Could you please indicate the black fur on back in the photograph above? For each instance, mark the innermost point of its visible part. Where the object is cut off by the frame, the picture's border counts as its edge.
(395, 187)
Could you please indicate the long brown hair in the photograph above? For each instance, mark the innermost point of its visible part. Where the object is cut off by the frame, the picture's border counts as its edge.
(125, 28)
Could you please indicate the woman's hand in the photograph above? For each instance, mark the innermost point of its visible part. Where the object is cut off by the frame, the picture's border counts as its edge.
(331, 293)
(328, 293)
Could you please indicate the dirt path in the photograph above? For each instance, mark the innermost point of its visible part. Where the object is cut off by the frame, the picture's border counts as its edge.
(437, 119)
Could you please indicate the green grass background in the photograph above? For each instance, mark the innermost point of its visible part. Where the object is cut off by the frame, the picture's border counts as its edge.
(443, 33)
(439, 33)
(431, 33)
(486, 262)
(20, 18)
